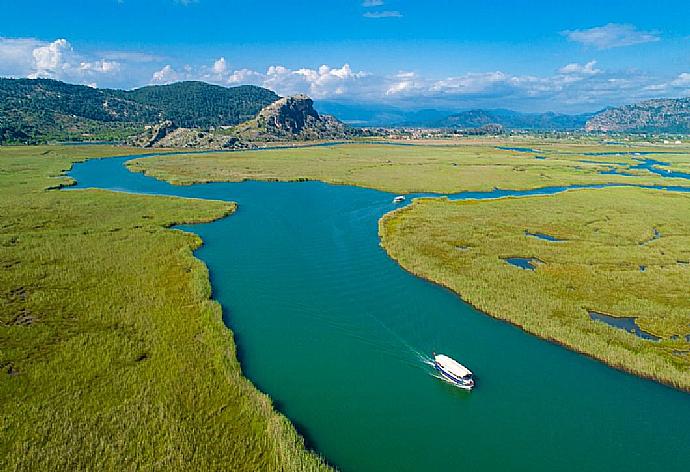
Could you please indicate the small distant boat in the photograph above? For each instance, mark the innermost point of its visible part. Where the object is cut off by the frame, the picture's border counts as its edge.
(453, 372)
(398, 199)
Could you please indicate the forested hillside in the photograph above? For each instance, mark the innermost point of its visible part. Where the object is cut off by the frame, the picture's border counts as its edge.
(42, 109)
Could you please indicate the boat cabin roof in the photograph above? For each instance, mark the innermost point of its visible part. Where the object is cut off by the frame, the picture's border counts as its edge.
(452, 366)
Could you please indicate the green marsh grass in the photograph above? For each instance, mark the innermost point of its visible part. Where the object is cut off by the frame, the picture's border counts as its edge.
(408, 169)
(112, 354)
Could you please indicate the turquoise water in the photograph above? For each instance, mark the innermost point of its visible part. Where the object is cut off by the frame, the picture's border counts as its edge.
(339, 336)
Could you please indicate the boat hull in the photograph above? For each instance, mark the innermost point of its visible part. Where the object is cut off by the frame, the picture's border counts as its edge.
(450, 378)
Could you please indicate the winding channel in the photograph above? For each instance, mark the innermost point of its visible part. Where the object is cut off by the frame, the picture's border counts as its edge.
(339, 335)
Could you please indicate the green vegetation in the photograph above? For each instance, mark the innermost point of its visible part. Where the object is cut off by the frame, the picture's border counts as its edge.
(407, 169)
(198, 104)
(42, 110)
(608, 235)
(112, 355)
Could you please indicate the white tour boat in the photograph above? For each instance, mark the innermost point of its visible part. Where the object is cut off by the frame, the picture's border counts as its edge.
(453, 372)
(399, 198)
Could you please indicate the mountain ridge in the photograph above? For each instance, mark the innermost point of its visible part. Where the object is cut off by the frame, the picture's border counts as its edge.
(37, 110)
(661, 115)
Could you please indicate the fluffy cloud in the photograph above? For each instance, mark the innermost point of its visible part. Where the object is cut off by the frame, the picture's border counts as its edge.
(165, 76)
(612, 35)
(579, 69)
(220, 67)
(323, 82)
(372, 3)
(26, 57)
(572, 87)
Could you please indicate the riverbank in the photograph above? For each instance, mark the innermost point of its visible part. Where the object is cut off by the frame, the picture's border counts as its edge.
(113, 354)
(620, 251)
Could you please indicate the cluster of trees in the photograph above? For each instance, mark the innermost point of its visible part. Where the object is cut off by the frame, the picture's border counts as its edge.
(42, 109)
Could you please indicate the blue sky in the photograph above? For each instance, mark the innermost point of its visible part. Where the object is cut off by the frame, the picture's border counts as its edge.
(527, 55)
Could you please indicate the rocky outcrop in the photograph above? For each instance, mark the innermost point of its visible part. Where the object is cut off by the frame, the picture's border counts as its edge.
(655, 116)
(153, 134)
(291, 118)
(167, 135)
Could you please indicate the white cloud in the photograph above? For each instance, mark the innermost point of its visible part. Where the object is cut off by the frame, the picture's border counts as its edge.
(166, 75)
(16, 58)
(575, 68)
(383, 14)
(323, 82)
(32, 58)
(319, 83)
(573, 87)
(244, 76)
(372, 3)
(611, 35)
(682, 80)
(220, 66)
(103, 67)
(52, 59)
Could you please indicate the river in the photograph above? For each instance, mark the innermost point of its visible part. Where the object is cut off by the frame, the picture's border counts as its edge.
(340, 336)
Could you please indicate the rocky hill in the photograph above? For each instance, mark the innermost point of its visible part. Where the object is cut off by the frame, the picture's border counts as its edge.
(291, 118)
(286, 119)
(656, 116)
(41, 109)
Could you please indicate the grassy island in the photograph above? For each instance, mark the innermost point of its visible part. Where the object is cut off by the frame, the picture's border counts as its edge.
(112, 355)
(622, 252)
(412, 168)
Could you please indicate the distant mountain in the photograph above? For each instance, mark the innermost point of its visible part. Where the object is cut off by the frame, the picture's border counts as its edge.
(42, 109)
(656, 116)
(379, 115)
(513, 120)
(374, 115)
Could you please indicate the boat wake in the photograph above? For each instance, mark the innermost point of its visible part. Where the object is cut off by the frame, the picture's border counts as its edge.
(428, 361)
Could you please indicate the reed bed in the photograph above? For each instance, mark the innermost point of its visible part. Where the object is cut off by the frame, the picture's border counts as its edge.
(410, 169)
(607, 235)
(112, 354)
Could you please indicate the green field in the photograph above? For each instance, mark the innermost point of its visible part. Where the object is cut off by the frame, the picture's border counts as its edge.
(605, 235)
(409, 169)
(112, 355)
